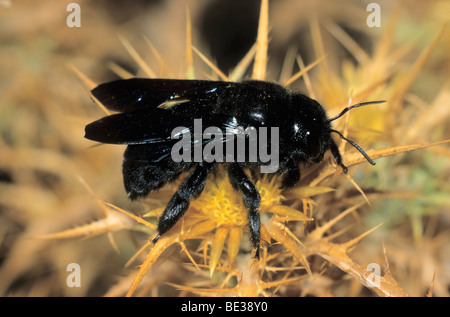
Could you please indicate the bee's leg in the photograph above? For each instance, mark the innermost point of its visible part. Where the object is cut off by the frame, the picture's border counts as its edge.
(337, 155)
(240, 181)
(191, 188)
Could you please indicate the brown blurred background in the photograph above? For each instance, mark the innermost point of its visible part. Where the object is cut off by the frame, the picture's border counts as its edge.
(44, 107)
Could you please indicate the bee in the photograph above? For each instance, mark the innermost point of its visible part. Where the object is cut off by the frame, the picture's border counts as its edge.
(156, 115)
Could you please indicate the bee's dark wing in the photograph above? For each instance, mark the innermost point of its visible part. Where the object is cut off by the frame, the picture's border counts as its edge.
(147, 128)
(147, 132)
(151, 152)
(136, 127)
(144, 126)
(130, 94)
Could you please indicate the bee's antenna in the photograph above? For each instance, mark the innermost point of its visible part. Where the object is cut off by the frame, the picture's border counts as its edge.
(355, 106)
(355, 145)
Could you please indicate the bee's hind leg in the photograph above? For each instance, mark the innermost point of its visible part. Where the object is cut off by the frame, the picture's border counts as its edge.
(191, 188)
(240, 181)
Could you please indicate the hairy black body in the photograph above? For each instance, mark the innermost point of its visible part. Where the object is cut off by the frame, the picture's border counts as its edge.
(151, 108)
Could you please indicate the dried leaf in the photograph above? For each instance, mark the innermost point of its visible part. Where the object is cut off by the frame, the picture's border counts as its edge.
(307, 191)
(290, 212)
(217, 247)
(234, 242)
(262, 42)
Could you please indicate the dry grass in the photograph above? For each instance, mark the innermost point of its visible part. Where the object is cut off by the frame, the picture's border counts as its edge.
(62, 200)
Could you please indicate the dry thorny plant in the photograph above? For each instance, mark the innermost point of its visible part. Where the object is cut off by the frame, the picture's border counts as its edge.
(306, 231)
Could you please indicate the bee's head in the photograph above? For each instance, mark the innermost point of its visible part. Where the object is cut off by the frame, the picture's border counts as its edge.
(310, 129)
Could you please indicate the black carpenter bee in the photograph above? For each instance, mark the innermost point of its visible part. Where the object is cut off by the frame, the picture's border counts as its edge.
(160, 115)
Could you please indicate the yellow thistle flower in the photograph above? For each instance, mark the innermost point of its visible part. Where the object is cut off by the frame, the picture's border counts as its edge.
(219, 213)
